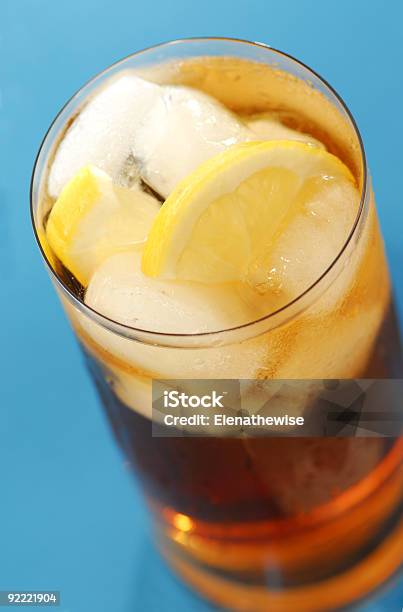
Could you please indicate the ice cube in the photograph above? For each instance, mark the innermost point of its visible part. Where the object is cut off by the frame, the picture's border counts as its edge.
(103, 132)
(266, 126)
(309, 243)
(131, 364)
(302, 473)
(120, 291)
(183, 128)
(133, 127)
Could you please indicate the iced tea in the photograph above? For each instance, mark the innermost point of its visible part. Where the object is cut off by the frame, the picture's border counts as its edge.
(253, 524)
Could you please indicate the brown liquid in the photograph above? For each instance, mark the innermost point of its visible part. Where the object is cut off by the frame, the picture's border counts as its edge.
(233, 507)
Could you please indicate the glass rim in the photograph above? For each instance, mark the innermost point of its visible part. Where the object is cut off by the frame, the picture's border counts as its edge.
(249, 324)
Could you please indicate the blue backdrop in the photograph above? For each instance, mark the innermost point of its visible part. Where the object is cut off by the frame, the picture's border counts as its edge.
(71, 516)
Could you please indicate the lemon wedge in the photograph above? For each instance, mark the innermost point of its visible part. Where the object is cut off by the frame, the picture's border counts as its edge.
(93, 219)
(220, 218)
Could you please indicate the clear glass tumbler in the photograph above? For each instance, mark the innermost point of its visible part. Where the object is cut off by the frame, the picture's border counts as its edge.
(270, 523)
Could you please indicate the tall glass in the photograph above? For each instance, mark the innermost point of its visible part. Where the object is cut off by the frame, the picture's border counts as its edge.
(273, 523)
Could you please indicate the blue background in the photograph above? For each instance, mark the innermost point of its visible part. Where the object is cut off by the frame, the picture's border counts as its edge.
(71, 515)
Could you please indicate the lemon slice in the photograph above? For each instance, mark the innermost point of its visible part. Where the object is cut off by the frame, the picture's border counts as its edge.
(93, 218)
(220, 218)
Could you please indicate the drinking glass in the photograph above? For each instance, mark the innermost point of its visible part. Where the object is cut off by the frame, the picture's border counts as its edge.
(274, 523)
